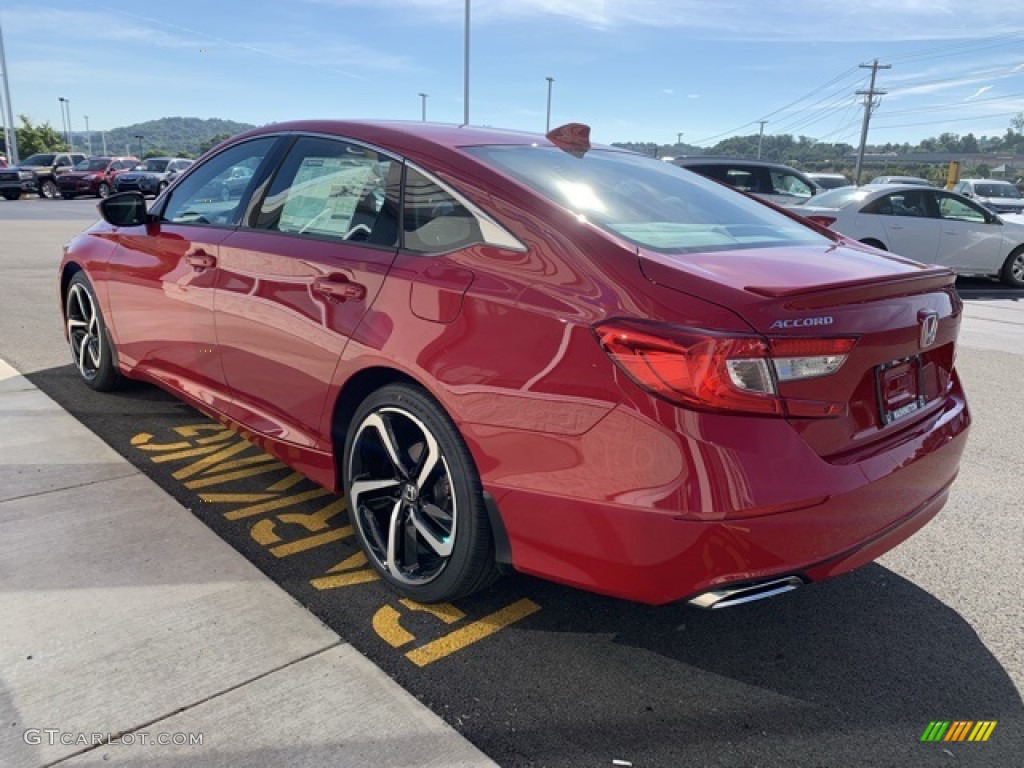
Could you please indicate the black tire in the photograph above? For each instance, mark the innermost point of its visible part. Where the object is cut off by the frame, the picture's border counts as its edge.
(48, 189)
(11, 194)
(1012, 273)
(97, 363)
(67, 195)
(448, 502)
(103, 191)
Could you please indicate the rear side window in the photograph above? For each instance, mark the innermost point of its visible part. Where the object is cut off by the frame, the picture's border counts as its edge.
(433, 220)
(334, 189)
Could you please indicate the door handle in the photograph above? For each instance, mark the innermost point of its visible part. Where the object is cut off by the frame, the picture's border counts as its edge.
(339, 287)
(201, 260)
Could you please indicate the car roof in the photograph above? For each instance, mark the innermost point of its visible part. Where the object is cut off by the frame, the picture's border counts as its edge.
(408, 134)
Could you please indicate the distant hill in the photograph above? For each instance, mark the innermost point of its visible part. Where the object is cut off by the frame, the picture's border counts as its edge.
(172, 135)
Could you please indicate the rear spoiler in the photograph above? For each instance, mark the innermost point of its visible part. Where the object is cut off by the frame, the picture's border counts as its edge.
(856, 291)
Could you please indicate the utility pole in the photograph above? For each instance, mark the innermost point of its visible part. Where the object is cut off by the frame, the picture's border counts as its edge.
(423, 105)
(88, 135)
(760, 137)
(103, 136)
(870, 105)
(63, 118)
(465, 66)
(547, 122)
(10, 131)
(679, 138)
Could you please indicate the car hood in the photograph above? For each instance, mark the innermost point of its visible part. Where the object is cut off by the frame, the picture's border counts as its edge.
(749, 280)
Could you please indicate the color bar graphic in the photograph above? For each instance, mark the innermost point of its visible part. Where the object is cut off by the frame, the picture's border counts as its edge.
(958, 730)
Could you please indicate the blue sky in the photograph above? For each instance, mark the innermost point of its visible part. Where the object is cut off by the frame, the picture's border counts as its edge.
(640, 70)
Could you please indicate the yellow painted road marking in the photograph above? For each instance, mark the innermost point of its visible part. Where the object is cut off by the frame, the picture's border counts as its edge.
(286, 483)
(471, 633)
(348, 572)
(269, 506)
(446, 612)
(236, 498)
(387, 624)
(227, 477)
(311, 542)
(214, 458)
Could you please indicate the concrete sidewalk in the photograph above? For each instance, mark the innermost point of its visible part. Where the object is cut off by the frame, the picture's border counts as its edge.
(121, 613)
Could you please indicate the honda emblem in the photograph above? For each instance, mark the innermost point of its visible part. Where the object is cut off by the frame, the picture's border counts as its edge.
(929, 327)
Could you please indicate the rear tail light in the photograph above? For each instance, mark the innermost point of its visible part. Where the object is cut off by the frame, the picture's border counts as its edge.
(824, 221)
(723, 372)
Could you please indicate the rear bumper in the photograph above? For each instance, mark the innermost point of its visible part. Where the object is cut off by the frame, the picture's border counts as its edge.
(644, 554)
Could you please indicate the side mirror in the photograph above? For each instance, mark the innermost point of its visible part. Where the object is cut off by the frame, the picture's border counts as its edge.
(126, 209)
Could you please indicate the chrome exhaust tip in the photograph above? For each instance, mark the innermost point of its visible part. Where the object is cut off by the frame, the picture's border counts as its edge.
(726, 598)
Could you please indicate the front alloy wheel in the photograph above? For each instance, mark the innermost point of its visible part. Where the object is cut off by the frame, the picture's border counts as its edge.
(48, 189)
(1013, 270)
(91, 350)
(414, 497)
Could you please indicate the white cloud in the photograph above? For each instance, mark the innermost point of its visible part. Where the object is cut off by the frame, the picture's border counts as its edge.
(669, 91)
(979, 92)
(693, 95)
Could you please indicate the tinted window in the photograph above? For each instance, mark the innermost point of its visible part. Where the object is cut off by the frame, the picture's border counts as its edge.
(434, 221)
(789, 184)
(912, 204)
(650, 202)
(38, 160)
(199, 200)
(156, 166)
(96, 164)
(960, 210)
(333, 189)
(1004, 189)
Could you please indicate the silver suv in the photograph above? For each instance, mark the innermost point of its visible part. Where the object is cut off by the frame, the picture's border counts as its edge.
(998, 196)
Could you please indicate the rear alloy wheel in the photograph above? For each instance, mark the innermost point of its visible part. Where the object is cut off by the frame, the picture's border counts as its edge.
(91, 349)
(415, 499)
(48, 189)
(104, 190)
(1013, 269)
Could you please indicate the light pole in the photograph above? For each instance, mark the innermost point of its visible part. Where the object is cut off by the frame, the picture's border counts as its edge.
(88, 136)
(465, 67)
(71, 136)
(760, 138)
(10, 132)
(679, 138)
(423, 107)
(63, 119)
(139, 137)
(547, 122)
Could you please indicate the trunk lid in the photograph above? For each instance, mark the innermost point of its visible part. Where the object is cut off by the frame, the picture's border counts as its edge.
(897, 374)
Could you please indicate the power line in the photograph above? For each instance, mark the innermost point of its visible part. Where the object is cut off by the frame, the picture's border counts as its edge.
(952, 120)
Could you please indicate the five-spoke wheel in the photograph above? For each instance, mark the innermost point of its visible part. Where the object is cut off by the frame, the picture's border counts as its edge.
(414, 497)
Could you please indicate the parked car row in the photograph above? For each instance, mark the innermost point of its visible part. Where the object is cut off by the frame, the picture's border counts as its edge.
(71, 174)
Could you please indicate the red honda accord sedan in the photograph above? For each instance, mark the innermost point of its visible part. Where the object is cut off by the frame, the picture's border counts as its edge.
(516, 350)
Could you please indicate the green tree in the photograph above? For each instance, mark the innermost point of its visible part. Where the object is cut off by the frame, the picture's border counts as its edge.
(38, 138)
(982, 170)
(154, 153)
(213, 141)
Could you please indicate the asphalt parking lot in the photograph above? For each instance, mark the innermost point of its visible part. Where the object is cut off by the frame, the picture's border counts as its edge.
(845, 673)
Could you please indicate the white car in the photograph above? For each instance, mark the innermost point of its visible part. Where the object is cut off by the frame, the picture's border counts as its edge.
(998, 196)
(928, 225)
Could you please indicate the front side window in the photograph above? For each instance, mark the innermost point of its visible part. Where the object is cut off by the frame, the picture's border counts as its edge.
(960, 210)
(788, 184)
(911, 204)
(335, 189)
(199, 199)
(649, 202)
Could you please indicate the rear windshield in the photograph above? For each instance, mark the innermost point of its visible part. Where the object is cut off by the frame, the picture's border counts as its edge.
(648, 202)
(38, 160)
(831, 182)
(837, 198)
(996, 190)
(96, 164)
(156, 166)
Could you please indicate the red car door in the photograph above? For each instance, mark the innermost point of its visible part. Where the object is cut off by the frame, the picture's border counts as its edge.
(293, 285)
(163, 274)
